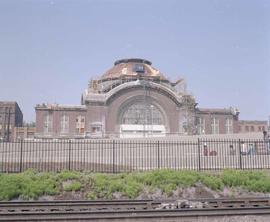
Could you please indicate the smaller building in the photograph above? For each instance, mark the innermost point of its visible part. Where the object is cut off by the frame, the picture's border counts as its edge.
(247, 126)
(10, 116)
(61, 121)
(217, 121)
(24, 132)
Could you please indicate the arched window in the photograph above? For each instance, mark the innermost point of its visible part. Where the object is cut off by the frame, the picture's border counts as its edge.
(142, 114)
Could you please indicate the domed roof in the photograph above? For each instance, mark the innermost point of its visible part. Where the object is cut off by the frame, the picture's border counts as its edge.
(133, 67)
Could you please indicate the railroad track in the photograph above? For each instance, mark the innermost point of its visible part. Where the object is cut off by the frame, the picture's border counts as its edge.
(126, 209)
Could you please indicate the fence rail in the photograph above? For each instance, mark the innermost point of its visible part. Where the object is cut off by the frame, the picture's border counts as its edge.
(115, 156)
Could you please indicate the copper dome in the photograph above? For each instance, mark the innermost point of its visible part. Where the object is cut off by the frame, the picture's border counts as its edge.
(134, 68)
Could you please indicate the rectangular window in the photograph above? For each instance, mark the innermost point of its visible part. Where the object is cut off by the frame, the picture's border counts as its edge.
(229, 125)
(138, 68)
(215, 125)
(64, 124)
(96, 129)
(48, 123)
(201, 125)
(247, 128)
(80, 124)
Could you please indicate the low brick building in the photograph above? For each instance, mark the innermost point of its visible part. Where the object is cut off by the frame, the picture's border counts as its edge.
(247, 126)
(24, 132)
(133, 99)
(10, 117)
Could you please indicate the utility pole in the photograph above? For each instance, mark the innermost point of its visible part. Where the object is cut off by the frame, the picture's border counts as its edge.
(5, 123)
(145, 104)
(8, 124)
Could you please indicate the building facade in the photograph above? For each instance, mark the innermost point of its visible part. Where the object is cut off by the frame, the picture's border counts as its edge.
(133, 99)
(24, 132)
(10, 117)
(250, 126)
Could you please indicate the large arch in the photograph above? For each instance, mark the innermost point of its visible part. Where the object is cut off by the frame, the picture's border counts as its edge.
(118, 104)
(142, 116)
(145, 85)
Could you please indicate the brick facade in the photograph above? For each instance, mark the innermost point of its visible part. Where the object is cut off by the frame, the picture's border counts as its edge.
(10, 117)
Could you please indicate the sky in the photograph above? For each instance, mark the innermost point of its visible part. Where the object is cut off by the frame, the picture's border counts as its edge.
(50, 49)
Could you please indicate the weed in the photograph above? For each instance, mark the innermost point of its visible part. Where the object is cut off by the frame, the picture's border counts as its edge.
(68, 175)
(74, 186)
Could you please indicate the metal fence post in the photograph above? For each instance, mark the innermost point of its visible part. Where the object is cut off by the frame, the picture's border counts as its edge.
(240, 154)
(113, 160)
(21, 155)
(158, 155)
(69, 154)
(199, 155)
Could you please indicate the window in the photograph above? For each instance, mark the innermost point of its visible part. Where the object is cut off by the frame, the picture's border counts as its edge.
(252, 128)
(140, 114)
(201, 125)
(64, 123)
(138, 68)
(95, 129)
(80, 124)
(48, 123)
(215, 125)
(259, 128)
(229, 125)
(247, 128)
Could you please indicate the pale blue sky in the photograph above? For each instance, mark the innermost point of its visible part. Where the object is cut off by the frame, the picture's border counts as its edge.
(49, 49)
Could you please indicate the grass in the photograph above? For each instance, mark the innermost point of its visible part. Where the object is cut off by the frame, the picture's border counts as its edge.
(31, 184)
(69, 175)
(74, 186)
(27, 185)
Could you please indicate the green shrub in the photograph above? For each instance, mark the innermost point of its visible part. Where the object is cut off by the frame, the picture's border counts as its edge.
(10, 186)
(74, 186)
(234, 178)
(158, 178)
(258, 185)
(213, 182)
(91, 196)
(168, 188)
(27, 185)
(31, 184)
(68, 175)
(132, 189)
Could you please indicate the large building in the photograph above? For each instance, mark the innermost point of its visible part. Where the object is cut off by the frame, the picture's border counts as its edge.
(10, 117)
(133, 99)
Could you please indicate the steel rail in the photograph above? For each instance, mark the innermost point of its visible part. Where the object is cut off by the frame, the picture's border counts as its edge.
(139, 214)
(105, 203)
(75, 210)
